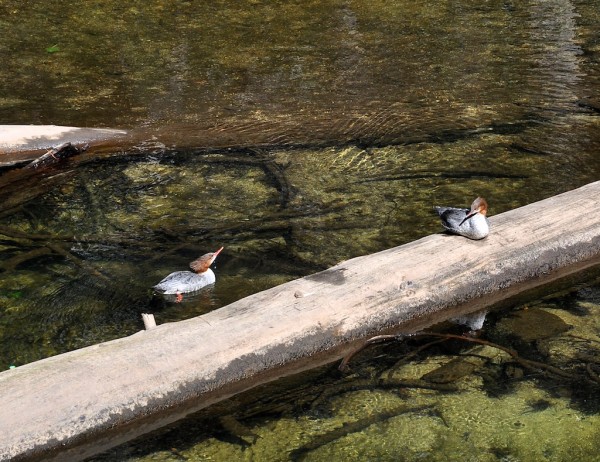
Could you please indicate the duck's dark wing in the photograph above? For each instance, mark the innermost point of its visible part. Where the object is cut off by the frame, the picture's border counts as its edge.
(451, 217)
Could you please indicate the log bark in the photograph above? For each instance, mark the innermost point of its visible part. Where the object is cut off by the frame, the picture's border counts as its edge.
(86, 401)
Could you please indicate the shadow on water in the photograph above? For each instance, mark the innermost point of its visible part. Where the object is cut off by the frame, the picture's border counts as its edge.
(298, 135)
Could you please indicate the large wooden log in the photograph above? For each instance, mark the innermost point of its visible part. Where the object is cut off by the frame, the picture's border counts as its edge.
(73, 405)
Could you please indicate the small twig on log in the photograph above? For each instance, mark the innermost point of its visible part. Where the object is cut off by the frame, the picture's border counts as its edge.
(149, 321)
(55, 155)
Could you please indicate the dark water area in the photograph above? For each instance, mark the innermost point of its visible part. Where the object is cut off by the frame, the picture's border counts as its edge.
(372, 72)
(298, 135)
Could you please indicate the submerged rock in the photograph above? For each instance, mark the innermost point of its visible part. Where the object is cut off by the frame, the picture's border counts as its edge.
(531, 325)
(454, 370)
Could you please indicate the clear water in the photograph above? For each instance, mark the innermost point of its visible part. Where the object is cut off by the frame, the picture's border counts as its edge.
(345, 122)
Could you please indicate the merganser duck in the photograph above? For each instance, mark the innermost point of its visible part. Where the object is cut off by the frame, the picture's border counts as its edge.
(181, 282)
(471, 223)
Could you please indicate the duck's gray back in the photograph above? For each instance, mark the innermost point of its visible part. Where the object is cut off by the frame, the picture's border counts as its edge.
(181, 282)
(476, 227)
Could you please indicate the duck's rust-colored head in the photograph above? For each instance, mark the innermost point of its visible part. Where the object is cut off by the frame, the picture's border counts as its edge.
(202, 264)
(479, 205)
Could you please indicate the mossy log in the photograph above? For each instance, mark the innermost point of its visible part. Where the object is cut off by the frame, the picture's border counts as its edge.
(76, 404)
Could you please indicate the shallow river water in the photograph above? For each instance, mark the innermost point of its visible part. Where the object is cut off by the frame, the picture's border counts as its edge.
(298, 135)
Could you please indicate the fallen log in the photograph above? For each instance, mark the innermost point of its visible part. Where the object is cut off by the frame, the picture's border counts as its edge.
(73, 405)
(22, 143)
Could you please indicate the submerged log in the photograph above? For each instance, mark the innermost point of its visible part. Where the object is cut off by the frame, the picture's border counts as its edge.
(21, 143)
(74, 405)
